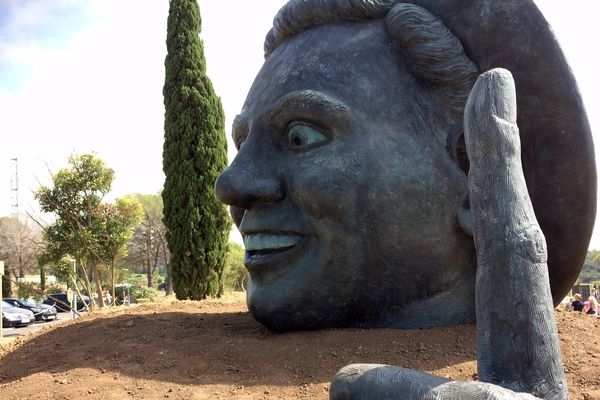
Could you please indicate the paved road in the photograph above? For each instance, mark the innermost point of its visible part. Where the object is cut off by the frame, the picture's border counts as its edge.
(11, 333)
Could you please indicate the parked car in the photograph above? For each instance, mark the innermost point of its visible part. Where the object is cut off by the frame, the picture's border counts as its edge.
(62, 303)
(42, 312)
(14, 316)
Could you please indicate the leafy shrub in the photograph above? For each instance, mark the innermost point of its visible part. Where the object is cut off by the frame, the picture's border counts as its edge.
(26, 290)
(235, 276)
(54, 289)
(589, 273)
(143, 293)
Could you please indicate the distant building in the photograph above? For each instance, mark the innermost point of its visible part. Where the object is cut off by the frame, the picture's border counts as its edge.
(50, 279)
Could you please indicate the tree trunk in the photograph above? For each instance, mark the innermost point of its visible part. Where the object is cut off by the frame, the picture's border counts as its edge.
(169, 286)
(155, 264)
(149, 273)
(13, 282)
(42, 279)
(98, 282)
(78, 294)
(112, 279)
(88, 284)
(149, 259)
(86, 281)
(6, 286)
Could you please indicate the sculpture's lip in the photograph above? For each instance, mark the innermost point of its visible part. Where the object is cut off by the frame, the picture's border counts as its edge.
(267, 247)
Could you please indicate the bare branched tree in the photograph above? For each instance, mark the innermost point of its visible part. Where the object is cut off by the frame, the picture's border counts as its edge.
(20, 244)
(148, 245)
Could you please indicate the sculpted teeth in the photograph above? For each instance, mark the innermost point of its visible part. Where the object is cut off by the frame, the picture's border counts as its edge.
(269, 241)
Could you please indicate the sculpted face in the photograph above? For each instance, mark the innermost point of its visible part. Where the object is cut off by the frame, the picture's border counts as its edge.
(347, 205)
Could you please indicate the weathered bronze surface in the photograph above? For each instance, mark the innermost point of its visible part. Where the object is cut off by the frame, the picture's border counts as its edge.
(350, 184)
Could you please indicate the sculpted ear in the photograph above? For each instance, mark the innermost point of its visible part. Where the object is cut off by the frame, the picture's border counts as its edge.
(465, 219)
(457, 150)
(456, 147)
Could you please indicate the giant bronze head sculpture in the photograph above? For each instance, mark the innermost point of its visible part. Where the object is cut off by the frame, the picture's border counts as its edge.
(350, 187)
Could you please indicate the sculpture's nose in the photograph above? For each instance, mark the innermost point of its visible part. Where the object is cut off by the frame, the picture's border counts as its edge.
(246, 183)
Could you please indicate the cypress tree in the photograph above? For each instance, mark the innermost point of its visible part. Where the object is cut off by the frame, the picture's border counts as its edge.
(194, 154)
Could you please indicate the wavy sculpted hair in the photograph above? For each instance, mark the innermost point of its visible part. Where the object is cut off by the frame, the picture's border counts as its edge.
(435, 56)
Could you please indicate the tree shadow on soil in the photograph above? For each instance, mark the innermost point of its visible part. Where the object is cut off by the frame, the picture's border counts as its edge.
(228, 348)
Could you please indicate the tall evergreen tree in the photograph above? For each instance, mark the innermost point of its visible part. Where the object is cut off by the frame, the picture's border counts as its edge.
(194, 154)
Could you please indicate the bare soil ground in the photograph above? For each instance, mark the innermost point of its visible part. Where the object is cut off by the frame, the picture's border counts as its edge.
(215, 350)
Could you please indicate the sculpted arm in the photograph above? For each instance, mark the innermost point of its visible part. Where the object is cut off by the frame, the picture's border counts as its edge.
(517, 342)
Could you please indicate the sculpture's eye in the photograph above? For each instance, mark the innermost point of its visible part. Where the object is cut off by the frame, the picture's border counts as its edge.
(301, 136)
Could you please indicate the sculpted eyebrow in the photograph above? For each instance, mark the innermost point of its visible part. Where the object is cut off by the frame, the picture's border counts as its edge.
(307, 98)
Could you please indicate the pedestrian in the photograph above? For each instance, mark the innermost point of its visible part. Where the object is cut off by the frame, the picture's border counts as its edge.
(591, 306)
(577, 304)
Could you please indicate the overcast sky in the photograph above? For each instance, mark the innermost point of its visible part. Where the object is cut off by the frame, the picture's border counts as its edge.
(86, 75)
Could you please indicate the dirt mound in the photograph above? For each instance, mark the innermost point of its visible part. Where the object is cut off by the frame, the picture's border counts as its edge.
(215, 350)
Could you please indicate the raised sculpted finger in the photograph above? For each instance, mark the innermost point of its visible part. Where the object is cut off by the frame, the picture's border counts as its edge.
(517, 340)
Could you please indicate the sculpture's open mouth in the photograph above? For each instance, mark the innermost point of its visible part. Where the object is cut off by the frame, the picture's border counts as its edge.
(262, 248)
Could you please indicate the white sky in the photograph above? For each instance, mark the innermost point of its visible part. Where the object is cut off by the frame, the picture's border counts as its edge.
(87, 75)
